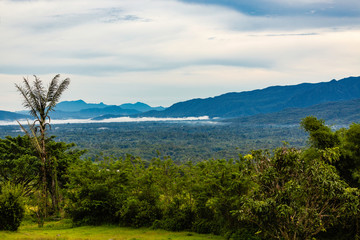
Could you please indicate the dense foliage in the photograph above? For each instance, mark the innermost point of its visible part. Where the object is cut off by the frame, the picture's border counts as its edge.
(298, 194)
(290, 194)
(287, 193)
(182, 141)
(159, 193)
(11, 206)
(20, 165)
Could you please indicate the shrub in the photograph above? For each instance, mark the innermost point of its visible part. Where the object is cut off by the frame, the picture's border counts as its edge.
(138, 212)
(176, 218)
(11, 207)
(93, 205)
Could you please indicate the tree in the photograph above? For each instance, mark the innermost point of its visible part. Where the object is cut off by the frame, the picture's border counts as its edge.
(40, 102)
(347, 140)
(11, 206)
(349, 164)
(298, 194)
(19, 163)
(321, 136)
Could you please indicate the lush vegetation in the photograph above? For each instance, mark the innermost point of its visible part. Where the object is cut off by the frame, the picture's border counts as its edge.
(184, 141)
(289, 193)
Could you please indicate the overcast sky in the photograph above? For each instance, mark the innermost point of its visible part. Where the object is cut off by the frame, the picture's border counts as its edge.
(164, 51)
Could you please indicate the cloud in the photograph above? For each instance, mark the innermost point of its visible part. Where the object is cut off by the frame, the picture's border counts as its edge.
(333, 8)
(189, 120)
(163, 51)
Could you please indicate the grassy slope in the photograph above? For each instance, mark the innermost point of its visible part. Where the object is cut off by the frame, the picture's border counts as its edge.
(64, 231)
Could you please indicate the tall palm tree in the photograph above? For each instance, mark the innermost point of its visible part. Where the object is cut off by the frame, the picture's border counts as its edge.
(40, 102)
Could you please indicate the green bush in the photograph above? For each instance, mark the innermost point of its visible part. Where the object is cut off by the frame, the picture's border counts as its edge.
(138, 212)
(246, 231)
(92, 206)
(176, 218)
(11, 207)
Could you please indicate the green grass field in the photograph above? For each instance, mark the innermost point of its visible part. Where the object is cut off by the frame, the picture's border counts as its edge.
(64, 231)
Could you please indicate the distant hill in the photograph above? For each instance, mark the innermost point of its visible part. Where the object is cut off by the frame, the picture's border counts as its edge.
(141, 107)
(268, 100)
(94, 112)
(277, 104)
(341, 112)
(79, 109)
(78, 105)
(10, 116)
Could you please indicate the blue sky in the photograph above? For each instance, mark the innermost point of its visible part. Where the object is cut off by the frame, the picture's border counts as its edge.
(164, 51)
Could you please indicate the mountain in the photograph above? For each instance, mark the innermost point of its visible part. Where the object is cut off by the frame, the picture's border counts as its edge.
(78, 105)
(141, 107)
(94, 112)
(340, 112)
(79, 109)
(268, 100)
(10, 116)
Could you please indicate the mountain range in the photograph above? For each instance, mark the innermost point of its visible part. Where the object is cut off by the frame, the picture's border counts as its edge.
(268, 100)
(10, 116)
(339, 113)
(76, 106)
(79, 109)
(336, 100)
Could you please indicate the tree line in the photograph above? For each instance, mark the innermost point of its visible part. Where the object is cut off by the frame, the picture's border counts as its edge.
(288, 193)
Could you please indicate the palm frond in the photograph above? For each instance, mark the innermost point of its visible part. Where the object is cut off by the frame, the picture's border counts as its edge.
(52, 88)
(40, 94)
(27, 103)
(32, 97)
(41, 101)
(56, 96)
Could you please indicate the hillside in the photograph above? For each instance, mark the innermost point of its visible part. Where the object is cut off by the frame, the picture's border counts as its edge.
(10, 116)
(268, 100)
(233, 105)
(141, 107)
(79, 105)
(94, 112)
(341, 112)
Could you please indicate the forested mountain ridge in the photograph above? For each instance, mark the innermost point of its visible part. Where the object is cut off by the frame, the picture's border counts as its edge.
(230, 105)
(79, 109)
(340, 112)
(79, 105)
(268, 100)
(94, 112)
(9, 116)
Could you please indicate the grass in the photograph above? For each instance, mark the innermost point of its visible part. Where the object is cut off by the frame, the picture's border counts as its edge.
(64, 231)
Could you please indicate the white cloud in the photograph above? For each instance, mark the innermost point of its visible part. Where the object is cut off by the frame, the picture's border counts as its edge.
(190, 120)
(164, 51)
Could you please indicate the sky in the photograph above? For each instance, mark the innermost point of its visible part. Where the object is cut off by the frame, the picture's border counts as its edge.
(164, 51)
